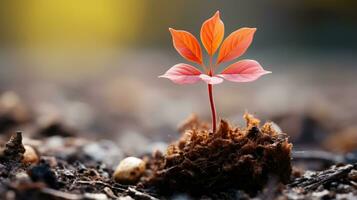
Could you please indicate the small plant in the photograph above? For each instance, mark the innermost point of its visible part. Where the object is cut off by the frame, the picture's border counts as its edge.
(212, 32)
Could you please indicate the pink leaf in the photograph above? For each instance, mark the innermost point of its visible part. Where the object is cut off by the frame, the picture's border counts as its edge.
(243, 71)
(211, 79)
(182, 74)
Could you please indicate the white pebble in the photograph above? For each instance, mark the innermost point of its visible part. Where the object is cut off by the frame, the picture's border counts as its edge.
(129, 170)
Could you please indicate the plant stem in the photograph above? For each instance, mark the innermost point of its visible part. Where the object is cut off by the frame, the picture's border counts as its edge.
(211, 101)
(213, 109)
(210, 72)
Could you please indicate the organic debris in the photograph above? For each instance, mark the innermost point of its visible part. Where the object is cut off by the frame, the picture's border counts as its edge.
(241, 158)
(14, 149)
(337, 182)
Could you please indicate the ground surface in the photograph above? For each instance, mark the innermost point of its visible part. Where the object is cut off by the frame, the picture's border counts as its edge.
(73, 165)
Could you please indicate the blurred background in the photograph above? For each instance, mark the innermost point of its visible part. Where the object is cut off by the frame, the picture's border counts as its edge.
(93, 66)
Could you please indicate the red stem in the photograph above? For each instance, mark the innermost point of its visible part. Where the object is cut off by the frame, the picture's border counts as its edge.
(213, 109)
(210, 94)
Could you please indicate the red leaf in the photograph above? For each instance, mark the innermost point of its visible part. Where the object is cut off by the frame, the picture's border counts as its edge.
(182, 74)
(243, 71)
(235, 44)
(212, 32)
(186, 45)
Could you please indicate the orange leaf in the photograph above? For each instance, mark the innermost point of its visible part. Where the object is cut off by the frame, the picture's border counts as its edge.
(187, 45)
(212, 32)
(236, 44)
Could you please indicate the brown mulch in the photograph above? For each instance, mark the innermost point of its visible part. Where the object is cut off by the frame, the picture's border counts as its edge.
(235, 158)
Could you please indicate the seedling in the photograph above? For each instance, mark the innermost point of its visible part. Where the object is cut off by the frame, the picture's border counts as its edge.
(212, 33)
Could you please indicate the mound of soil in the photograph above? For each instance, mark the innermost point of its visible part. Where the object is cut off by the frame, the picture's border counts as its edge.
(233, 157)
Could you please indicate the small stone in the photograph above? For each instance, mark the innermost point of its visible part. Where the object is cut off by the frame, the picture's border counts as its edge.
(320, 194)
(22, 176)
(353, 175)
(344, 188)
(125, 198)
(129, 170)
(68, 173)
(346, 196)
(30, 156)
(95, 196)
(110, 193)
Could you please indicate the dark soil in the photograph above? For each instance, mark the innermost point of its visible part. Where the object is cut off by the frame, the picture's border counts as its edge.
(234, 163)
(235, 158)
(56, 178)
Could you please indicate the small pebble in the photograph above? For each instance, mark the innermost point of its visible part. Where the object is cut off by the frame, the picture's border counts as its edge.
(125, 198)
(110, 193)
(353, 175)
(343, 188)
(30, 156)
(321, 194)
(23, 176)
(129, 170)
(68, 173)
(95, 196)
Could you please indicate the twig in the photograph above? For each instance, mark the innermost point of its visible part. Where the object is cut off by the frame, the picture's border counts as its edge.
(129, 190)
(323, 177)
(140, 195)
(103, 184)
(340, 172)
(61, 195)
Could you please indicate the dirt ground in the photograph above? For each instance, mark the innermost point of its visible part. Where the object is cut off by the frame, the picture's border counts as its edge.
(72, 166)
